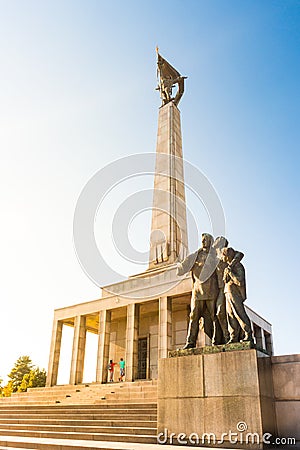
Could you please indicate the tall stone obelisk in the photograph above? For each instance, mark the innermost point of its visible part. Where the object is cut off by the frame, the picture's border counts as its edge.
(168, 238)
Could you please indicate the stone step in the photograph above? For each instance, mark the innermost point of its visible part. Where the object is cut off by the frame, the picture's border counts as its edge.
(76, 422)
(143, 392)
(78, 429)
(88, 401)
(116, 388)
(78, 401)
(78, 395)
(89, 395)
(118, 405)
(35, 410)
(108, 415)
(115, 414)
(12, 442)
(104, 406)
(79, 408)
(54, 446)
(85, 395)
(130, 384)
(143, 417)
(109, 395)
(79, 413)
(111, 401)
(150, 439)
(16, 448)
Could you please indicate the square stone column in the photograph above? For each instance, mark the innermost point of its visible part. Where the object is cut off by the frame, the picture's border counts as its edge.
(54, 353)
(103, 346)
(263, 339)
(259, 336)
(78, 350)
(165, 327)
(132, 335)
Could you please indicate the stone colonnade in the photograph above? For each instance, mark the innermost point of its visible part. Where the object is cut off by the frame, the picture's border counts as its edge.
(172, 321)
(131, 350)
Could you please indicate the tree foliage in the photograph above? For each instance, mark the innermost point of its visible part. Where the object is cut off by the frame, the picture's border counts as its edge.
(22, 367)
(35, 378)
(23, 375)
(7, 389)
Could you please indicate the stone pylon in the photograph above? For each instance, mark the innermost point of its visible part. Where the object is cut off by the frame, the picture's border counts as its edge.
(168, 240)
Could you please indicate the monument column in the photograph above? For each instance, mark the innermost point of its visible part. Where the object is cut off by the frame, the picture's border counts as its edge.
(78, 350)
(165, 327)
(103, 346)
(132, 335)
(54, 353)
(168, 241)
(169, 224)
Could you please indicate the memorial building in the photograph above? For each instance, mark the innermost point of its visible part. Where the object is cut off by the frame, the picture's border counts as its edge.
(130, 319)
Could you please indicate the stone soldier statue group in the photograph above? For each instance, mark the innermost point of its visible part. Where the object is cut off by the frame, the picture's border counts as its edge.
(219, 292)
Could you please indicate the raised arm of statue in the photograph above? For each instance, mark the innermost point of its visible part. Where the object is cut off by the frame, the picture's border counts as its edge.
(187, 264)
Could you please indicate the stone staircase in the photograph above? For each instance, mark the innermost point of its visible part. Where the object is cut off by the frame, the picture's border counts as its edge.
(62, 417)
(94, 393)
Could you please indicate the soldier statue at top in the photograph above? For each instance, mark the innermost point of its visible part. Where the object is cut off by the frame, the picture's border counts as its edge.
(168, 77)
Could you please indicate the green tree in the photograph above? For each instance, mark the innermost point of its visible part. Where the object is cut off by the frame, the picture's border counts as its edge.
(35, 378)
(23, 375)
(8, 389)
(22, 367)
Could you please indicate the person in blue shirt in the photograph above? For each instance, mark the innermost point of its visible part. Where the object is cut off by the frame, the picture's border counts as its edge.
(122, 369)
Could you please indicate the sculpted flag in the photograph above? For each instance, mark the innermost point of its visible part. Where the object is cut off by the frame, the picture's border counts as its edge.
(165, 69)
(168, 76)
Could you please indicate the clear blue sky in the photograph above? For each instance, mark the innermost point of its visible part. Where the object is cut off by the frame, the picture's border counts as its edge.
(77, 83)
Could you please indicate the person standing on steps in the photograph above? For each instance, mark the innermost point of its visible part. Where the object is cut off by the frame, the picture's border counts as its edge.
(111, 369)
(122, 369)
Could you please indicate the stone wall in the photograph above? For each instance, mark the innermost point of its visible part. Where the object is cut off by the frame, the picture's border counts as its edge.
(117, 339)
(286, 379)
(148, 327)
(179, 327)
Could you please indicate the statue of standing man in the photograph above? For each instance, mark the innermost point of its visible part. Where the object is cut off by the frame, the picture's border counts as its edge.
(202, 264)
(221, 332)
(235, 293)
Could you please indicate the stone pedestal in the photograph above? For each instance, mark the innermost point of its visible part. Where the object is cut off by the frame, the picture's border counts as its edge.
(225, 399)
